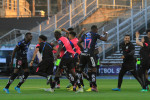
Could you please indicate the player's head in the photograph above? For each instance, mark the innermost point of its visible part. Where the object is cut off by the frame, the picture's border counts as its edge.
(127, 38)
(57, 34)
(148, 33)
(28, 36)
(70, 29)
(72, 35)
(42, 38)
(94, 29)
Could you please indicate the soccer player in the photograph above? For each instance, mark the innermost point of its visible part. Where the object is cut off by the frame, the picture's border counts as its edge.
(148, 35)
(45, 67)
(145, 59)
(67, 54)
(21, 62)
(76, 48)
(129, 62)
(87, 56)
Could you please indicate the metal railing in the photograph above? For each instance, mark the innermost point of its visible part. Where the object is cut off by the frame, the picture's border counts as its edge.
(12, 37)
(76, 12)
(126, 24)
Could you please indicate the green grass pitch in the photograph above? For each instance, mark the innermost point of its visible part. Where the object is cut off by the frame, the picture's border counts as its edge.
(31, 90)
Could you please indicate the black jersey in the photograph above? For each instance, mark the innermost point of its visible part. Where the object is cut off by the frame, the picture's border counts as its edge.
(128, 51)
(89, 41)
(23, 49)
(145, 51)
(46, 50)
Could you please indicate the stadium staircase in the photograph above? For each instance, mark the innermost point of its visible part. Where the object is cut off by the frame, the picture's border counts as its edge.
(115, 58)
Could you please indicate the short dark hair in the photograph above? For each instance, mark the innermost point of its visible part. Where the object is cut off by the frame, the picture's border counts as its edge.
(73, 33)
(148, 30)
(93, 27)
(57, 33)
(43, 37)
(70, 29)
(127, 35)
(28, 33)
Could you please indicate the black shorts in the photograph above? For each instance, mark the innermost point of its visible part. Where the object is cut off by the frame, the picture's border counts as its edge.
(46, 66)
(21, 63)
(67, 63)
(87, 59)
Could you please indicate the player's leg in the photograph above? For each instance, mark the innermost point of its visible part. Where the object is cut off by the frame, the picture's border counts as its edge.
(23, 79)
(82, 63)
(89, 78)
(49, 72)
(120, 79)
(143, 78)
(92, 67)
(134, 73)
(11, 79)
(147, 81)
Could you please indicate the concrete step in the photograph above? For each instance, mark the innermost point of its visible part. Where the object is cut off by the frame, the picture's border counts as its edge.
(110, 62)
(113, 59)
(119, 54)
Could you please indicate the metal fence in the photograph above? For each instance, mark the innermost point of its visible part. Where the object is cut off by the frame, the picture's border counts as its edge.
(128, 23)
(135, 19)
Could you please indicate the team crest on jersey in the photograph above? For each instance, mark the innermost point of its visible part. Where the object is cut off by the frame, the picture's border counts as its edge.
(20, 62)
(127, 47)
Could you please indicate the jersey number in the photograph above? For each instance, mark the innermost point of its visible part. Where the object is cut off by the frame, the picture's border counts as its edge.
(89, 43)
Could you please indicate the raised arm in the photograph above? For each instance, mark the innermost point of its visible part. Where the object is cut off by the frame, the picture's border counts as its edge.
(80, 34)
(139, 43)
(79, 44)
(105, 37)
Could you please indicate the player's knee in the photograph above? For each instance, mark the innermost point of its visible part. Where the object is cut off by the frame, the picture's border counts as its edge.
(13, 76)
(26, 74)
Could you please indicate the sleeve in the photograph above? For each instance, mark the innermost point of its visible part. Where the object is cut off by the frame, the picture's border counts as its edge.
(145, 44)
(20, 44)
(98, 36)
(60, 42)
(38, 46)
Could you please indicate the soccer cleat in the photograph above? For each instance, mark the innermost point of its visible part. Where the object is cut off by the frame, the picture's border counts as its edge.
(70, 89)
(94, 89)
(49, 90)
(57, 86)
(144, 90)
(17, 89)
(116, 89)
(6, 90)
(89, 90)
(80, 90)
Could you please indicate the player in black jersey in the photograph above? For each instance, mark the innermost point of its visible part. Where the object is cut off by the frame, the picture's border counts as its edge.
(45, 67)
(145, 59)
(129, 62)
(87, 56)
(21, 62)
